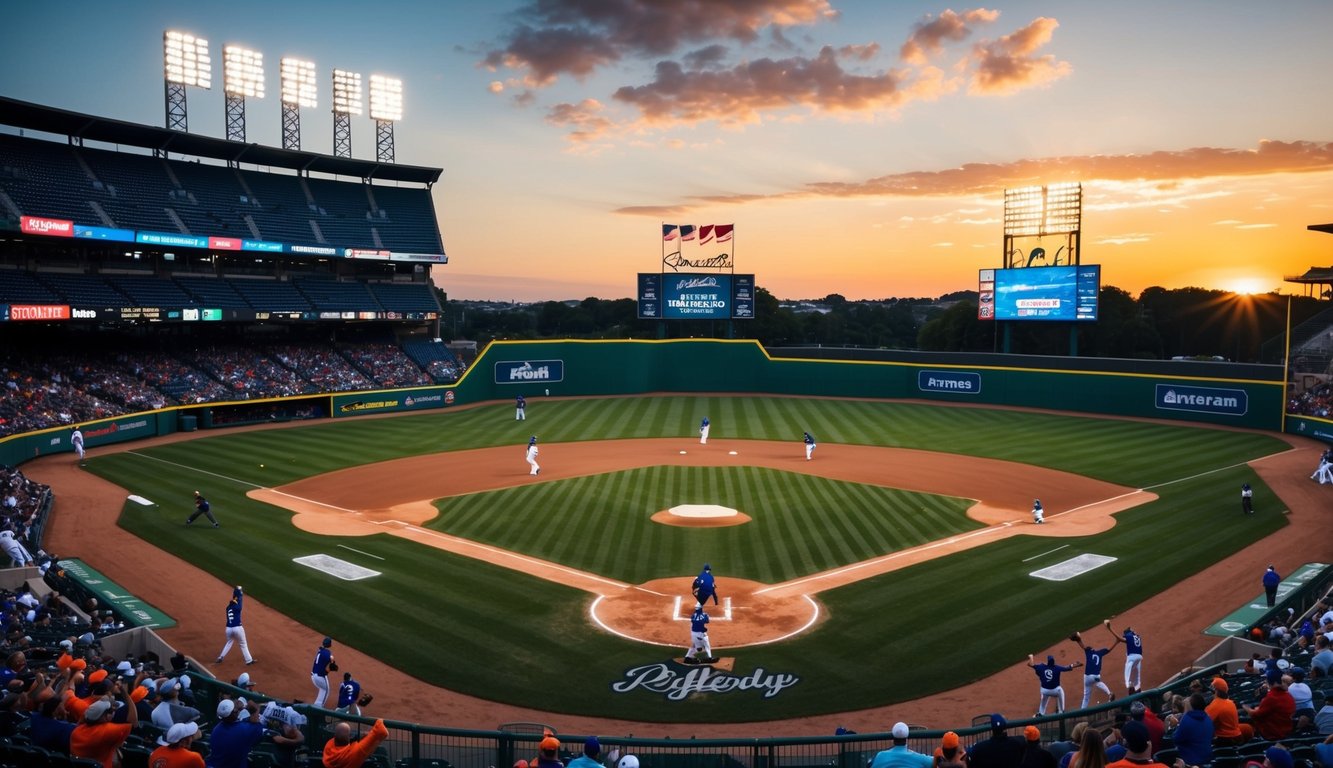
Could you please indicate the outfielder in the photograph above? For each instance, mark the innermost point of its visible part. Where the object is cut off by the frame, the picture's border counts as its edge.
(1049, 675)
(319, 671)
(520, 409)
(76, 440)
(202, 507)
(532, 456)
(1092, 676)
(703, 586)
(699, 637)
(1038, 514)
(235, 632)
(1247, 499)
(703, 431)
(1324, 472)
(1133, 656)
(809, 445)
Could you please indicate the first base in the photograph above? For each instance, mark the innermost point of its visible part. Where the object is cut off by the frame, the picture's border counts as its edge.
(682, 453)
(731, 453)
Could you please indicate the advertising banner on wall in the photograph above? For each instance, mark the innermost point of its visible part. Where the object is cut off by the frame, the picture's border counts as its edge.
(695, 296)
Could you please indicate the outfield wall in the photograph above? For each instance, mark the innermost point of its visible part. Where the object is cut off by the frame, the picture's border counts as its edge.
(1236, 395)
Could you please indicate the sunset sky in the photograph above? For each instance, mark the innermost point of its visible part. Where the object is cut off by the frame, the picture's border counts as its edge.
(860, 148)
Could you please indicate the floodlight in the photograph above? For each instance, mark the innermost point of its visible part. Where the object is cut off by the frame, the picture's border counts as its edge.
(243, 71)
(386, 98)
(186, 59)
(298, 82)
(346, 92)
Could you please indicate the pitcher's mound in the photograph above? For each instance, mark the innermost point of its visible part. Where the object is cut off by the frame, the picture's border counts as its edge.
(701, 516)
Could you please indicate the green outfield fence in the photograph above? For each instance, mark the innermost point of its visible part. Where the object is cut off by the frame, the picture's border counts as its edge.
(1232, 394)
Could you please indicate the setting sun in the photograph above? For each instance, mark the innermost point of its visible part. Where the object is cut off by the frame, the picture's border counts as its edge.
(1248, 285)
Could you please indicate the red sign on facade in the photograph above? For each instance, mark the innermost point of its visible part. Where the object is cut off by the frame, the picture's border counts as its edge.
(38, 311)
(36, 225)
(224, 243)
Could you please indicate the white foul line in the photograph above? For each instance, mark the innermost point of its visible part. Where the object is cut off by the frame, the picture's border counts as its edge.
(1047, 552)
(359, 552)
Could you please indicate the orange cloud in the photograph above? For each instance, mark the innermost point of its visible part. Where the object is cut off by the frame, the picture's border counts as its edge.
(928, 36)
(585, 118)
(1011, 64)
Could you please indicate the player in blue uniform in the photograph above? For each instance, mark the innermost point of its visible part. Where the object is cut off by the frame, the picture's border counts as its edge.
(319, 671)
(1038, 513)
(703, 431)
(348, 694)
(809, 445)
(76, 440)
(1092, 673)
(1049, 675)
(703, 586)
(1133, 656)
(201, 507)
(531, 456)
(699, 637)
(520, 409)
(235, 632)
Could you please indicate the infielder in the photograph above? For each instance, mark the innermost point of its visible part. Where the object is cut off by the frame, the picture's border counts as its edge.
(76, 440)
(703, 431)
(1049, 675)
(520, 409)
(1038, 514)
(1133, 656)
(1247, 499)
(1092, 676)
(348, 694)
(1324, 472)
(202, 507)
(809, 445)
(319, 671)
(704, 587)
(235, 632)
(531, 456)
(699, 637)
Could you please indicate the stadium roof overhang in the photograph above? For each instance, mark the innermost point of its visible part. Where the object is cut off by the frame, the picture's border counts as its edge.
(35, 117)
(1321, 228)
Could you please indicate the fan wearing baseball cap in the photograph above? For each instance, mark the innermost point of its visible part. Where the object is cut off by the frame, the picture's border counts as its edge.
(1138, 747)
(950, 753)
(99, 738)
(591, 749)
(1000, 750)
(900, 755)
(548, 753)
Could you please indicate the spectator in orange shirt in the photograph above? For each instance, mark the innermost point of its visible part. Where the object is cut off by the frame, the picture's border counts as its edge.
(175, 751)
(341, 752)
(99, 738)
(1227, 729)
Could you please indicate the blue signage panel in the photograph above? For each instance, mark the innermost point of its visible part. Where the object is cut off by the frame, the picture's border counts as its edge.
(696, 297)
(265, 246)
(529, 371)
(1065, 293)
(173, 239)
(742, 297)
(957, 382)
(650, 296)
(104, 233)
(1227, 402)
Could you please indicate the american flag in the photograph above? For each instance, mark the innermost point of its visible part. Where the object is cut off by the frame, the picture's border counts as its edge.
(668, 231)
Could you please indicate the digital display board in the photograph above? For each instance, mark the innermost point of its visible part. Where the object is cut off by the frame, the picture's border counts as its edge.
(1054, 294)
(695, 296)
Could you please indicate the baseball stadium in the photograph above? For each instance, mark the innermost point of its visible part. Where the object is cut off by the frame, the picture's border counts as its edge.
(191, 318)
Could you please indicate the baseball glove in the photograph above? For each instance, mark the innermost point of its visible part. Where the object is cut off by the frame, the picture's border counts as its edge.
(333, 666)
(1076, 637)
(365, 700)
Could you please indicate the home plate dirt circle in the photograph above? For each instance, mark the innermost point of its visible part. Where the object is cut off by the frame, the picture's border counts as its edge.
(658, 612)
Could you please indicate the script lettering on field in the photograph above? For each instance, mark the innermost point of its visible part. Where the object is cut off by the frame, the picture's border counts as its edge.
(675, 685)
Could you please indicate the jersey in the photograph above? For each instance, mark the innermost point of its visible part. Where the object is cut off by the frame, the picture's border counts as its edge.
(703, 583)
(321, 666)
(698, 621)
(76, 439)
(1092, 659)
(348, 693)
(532, 451)
(809, 439)
(703, 423)
(202, 504)
(1133, 643)
(234, 612)
(520, 402)
(1049, 675)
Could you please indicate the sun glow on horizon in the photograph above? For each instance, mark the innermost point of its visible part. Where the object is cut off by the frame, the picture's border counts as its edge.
(1247, 285)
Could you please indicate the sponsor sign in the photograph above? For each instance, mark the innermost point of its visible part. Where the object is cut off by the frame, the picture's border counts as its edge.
(39, 312)
(171, 238)
(449, 397)
(135, 611)
(401, 400)
(958, 382)
(528, 371)
(313, 250)
(224, 243)
(1061, 294)
(742, 297)
(676, 683)
(430, 258)
(261, 245)
(650, 296)
(37, 225)
(1225, 402)
(104, 233)
(366, 253)
(1253, 613)
(1316, 428)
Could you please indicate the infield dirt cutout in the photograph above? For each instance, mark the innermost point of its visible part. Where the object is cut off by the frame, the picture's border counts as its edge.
(356, 502)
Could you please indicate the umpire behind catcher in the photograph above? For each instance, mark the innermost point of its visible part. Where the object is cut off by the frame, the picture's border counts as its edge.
(704, 587)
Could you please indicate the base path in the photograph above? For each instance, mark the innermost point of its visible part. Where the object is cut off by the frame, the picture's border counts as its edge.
(84, 525)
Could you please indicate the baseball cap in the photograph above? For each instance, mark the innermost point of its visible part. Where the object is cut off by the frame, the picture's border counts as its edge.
(125, 668)
(900, 730)
(225, 708)
(1032, 733)
(1279, 757)
(179, 731)
(549, 744)
(1050, 659)
(96, 711)
(591, 746)
(1135, 735)
(950, 740)
(67, 644)
(1297, 673)
(630, 761)
(243, 680)
(707, 567)
(997, 721)
(97, 676)
(1220, 684)
(327, 642)
(138, 694)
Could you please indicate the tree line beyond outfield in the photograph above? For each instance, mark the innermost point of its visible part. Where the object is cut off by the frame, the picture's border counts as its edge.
(1158, 324)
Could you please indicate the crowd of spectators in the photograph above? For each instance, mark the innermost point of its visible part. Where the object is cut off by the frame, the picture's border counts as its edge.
(1315, 401)
(323, 366)
(387, 364)
(250, 374)
(44, 392)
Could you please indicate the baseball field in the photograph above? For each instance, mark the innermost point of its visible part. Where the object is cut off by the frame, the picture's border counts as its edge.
(900, 562)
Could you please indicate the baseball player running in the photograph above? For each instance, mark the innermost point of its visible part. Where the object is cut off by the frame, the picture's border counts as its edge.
(1133, 656)
(1049, 675)
(520, 409)
(809, 446)
(319, 671)
(202, 507)
(1092, 676)
(1038, 514)
(699, 637)
(531, 456)
(703, 431)
(235, 632)
(704, 587)
(76, 440)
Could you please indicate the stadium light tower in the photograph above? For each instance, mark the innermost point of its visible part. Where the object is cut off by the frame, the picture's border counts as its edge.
(186, 63)
(1055, 209)
(346, 102)
(242, 75)
(386, 108)
(298, 90)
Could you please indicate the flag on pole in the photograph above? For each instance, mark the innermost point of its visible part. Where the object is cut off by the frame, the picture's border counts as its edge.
(705, 234)
(724, 232)
(668, 231)
(687, 232)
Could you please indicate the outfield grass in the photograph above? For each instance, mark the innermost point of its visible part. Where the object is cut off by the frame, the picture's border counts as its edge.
(491, 632)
